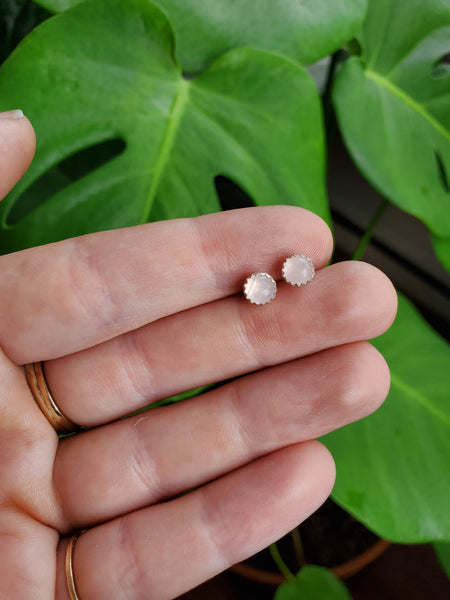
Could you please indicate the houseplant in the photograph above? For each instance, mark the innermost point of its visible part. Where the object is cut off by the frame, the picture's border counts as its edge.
(140, 94)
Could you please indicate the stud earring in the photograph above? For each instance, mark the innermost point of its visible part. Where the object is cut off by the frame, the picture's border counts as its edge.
(298, 269)
(260, 288)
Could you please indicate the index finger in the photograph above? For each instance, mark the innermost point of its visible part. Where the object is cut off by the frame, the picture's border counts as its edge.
(71, 295)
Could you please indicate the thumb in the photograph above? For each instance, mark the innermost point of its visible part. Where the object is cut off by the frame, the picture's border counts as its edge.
(17, 146)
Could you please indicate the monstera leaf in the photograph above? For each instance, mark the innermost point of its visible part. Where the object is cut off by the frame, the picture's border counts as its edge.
(393, 104)
(305, 30)
(313, 583)
(101, 78)
(391, 466)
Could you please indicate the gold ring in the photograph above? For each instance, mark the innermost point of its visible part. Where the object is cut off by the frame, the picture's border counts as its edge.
(34, 373)
(69, 565)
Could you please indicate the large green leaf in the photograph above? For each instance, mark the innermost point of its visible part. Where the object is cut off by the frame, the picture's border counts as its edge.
(393, 102)
(392, 466)
(305, 30)
(105, 70)
(313, 583)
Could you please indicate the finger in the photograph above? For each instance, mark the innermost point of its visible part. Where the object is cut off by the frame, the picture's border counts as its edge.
(162, 551)
(17, 145)
(344, 303)
(77, 293)
(119, 468)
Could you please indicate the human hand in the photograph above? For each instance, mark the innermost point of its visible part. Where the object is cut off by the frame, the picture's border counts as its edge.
(124, 318)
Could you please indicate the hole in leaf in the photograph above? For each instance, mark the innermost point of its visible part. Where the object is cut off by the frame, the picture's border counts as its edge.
(189, 76)
(354, 47)
(231, 196)
(441, 67)
(442, 172)
(63, 174)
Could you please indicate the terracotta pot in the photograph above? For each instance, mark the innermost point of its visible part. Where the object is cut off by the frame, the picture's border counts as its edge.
(343, 571)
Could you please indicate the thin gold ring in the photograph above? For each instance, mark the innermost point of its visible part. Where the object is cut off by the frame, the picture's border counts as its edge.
(34, 373)
(69, 565)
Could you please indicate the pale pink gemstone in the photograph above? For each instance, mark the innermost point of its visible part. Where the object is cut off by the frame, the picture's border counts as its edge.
(298, 269)
(260, 288)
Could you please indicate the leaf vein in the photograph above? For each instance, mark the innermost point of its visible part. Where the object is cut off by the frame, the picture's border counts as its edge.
(407, 99)
(174, 119)
(419, 398)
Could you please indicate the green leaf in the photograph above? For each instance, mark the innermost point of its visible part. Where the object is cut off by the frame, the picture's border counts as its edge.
(313, 583)
(305, 30)
(392, 106)
(443, 553)
(442, 248)
(251, 116)
(392, 466)
(57, 5)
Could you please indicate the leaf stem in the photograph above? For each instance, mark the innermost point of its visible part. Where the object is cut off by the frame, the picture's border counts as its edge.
(364, 242)
(275, 554)
(298, 547)
(328, 113)
(330, 75)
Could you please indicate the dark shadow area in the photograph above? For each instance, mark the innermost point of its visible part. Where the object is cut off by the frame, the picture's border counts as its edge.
(230, 195)
(441, 67)
(62, 175)
(442, 171)
(17, 19)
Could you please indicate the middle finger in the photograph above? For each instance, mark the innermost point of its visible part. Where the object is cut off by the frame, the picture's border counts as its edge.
(344, 303)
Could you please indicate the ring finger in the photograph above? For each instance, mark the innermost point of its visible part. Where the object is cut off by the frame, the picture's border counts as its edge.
(151, 457)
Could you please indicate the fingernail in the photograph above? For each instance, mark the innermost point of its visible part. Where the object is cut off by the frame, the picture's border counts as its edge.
(11, 114)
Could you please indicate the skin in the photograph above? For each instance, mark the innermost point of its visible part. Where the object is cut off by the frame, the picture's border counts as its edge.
(124, 318)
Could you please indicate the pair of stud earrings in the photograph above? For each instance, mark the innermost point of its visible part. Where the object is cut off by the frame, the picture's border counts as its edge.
(261, 288)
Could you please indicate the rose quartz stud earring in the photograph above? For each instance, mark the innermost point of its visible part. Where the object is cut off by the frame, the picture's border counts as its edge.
(298, 269)
(260, 288)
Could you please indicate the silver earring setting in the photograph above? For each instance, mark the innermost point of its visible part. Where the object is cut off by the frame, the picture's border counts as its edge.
(261, 288)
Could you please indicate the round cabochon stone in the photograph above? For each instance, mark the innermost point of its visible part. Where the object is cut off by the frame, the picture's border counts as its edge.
(260, 288)
(298, 269)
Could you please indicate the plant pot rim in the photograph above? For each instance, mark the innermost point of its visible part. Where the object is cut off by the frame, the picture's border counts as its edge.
(343, 571)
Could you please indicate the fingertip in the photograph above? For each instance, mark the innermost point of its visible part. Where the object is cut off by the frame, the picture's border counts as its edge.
(377, 378)
(325, 241)
(368, 299)
(389, 300)
(323, 461)
(17, 148)
(359, 383)
(29, 137)
(259, 238)
(312, 476)
(308, 231)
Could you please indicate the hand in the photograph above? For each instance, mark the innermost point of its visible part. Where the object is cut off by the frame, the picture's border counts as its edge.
(124, 318)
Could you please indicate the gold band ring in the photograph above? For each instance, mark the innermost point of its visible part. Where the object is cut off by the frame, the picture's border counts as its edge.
(34, 373)
(69, 565)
